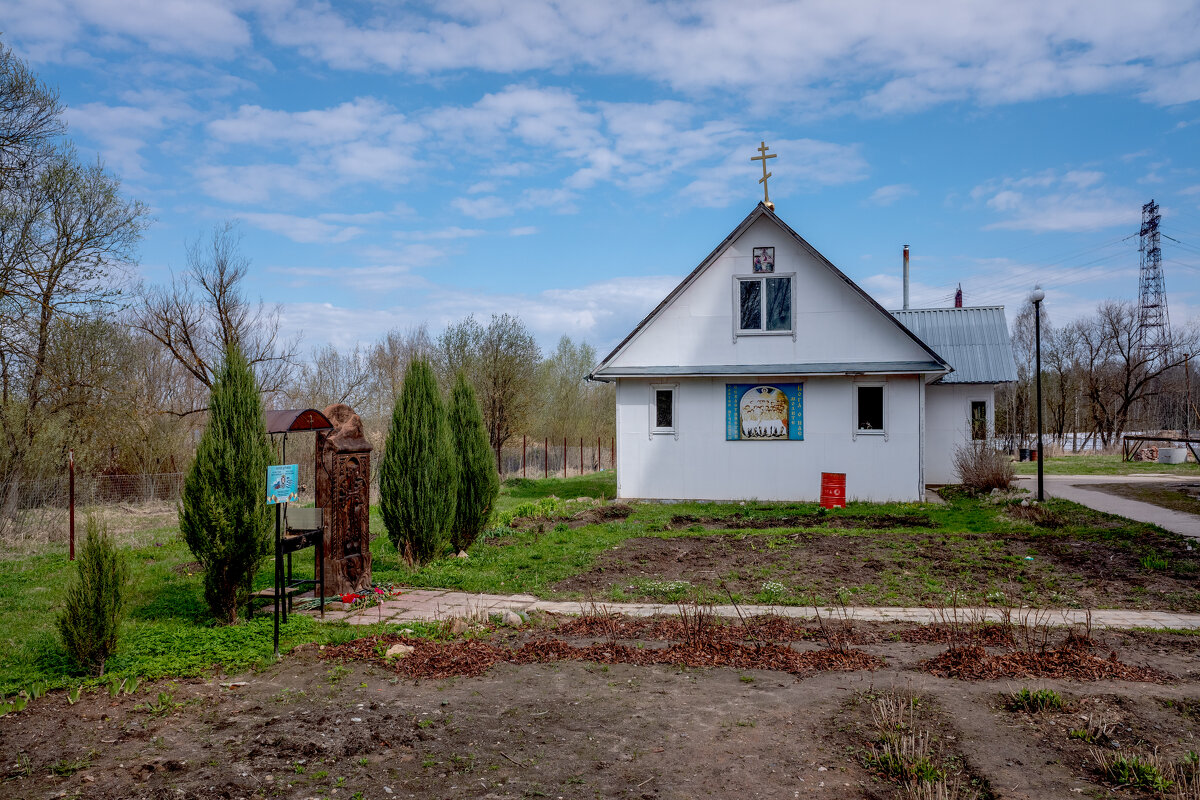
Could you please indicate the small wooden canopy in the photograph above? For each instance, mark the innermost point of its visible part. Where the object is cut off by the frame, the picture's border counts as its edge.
(291, 420)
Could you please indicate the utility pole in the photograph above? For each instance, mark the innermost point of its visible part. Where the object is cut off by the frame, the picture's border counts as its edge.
(1154, 325)
(1037, 297)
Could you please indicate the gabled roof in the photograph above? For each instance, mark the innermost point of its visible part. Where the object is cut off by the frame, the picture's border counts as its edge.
(975, 340)
(936, 363)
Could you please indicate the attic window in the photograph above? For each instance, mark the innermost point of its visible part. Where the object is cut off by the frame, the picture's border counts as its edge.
(764, 304)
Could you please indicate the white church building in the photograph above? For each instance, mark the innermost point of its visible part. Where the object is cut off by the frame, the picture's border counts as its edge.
(767, 366)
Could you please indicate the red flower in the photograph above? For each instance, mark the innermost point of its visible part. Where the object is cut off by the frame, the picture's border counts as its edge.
(351, 598)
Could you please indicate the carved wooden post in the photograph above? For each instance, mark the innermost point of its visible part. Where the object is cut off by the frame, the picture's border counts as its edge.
(344, 491)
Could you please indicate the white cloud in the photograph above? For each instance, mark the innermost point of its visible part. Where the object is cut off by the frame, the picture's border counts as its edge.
(1049, 202)
(560, 201)
(524, 230)
(307, 230)
(887, 195)
(884, 56)
(360, 141)
(120, 132)
(600, 313)
(803, 165)
(453, 233)
(49, 28)
(258, 183)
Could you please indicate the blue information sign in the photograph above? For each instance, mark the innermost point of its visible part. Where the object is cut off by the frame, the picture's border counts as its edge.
(283, 483)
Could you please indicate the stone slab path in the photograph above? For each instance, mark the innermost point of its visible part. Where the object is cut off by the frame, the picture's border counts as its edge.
(1075, 488)
(431, 605)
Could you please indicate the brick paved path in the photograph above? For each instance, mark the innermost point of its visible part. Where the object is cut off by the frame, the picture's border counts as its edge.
(440, 604)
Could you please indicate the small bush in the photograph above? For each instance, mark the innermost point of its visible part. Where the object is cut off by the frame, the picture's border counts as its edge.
(981, 467)
(1144, 772)
(545, 508)
(1155, 562)
(91, 620)
(1035, 701)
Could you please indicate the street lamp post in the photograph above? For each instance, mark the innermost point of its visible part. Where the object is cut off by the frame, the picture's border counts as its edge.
(1037, 297)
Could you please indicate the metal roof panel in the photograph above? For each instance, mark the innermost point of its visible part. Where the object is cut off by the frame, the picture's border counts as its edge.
(974, 340)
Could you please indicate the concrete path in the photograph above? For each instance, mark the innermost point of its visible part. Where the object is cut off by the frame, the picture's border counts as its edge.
(1075, 488)
(440, 604)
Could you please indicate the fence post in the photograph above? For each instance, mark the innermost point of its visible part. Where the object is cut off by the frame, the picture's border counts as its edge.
(523, 438)
(71, 493)
(546, 457)
(581, 456)
(564, 456)
(599, 466)
(612, 461)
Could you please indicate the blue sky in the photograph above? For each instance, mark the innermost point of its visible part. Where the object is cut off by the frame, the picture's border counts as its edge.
(394, 163)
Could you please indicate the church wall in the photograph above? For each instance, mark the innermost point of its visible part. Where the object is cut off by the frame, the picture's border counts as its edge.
(833, 322)
(948, 425)
(699, 463)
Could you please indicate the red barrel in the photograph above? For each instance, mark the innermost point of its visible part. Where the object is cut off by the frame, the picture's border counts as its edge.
(833, 489)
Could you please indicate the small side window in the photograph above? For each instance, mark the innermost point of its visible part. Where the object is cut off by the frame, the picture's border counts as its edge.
(869, 408)
(662, 409)
(979, 424)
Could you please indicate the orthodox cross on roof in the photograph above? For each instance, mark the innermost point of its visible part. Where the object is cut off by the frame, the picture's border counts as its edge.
(762, 156)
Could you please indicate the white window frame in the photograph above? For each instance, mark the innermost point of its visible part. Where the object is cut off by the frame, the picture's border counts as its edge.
(856, 431)
(655, 388)
(737, 304)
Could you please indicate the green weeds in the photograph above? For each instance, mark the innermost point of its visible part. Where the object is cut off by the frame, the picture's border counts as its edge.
(1035, 701)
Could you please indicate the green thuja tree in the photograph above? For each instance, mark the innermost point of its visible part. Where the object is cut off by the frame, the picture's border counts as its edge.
(478, 482)
(418, 478)
(95, 603)
(223, 515)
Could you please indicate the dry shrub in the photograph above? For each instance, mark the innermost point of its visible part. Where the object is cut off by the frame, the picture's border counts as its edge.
(941, 789)
(981, 467)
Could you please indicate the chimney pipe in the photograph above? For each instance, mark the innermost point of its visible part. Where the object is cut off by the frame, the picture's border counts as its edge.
(958, 297)
(906, 277)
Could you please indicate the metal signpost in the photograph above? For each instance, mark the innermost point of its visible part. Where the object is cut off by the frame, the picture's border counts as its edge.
(283, 486)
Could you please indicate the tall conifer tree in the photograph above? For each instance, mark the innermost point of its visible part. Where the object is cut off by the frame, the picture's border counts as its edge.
(223, 515)
(478, 482)
(418, 477)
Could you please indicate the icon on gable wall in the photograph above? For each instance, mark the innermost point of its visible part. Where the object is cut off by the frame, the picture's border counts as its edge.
(764, 259)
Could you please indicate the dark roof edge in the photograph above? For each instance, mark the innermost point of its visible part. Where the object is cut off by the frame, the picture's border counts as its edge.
(817, 368)
(759, 211)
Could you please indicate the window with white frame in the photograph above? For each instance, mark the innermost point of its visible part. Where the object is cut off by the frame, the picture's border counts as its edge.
(870, 408)
(662, 408)
(763, 304)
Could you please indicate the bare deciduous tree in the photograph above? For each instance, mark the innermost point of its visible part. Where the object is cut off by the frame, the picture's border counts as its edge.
(1117, 371)
(204, 310)
(332, 377)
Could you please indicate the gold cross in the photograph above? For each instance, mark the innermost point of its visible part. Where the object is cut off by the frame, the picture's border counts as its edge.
(762, 149)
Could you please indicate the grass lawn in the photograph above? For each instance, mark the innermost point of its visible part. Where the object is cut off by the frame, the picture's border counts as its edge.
(1093, 464)
(1058, 554)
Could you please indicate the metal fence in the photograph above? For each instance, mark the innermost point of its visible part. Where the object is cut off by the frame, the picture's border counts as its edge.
(523, 457)
(39, 509)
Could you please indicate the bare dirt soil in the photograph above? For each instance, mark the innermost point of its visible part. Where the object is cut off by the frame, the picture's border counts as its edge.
(574, 729)
(892, 570)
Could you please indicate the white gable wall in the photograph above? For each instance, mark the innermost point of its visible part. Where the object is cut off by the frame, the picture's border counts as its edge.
(833, 322)
(699, 463)
(948, 425)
